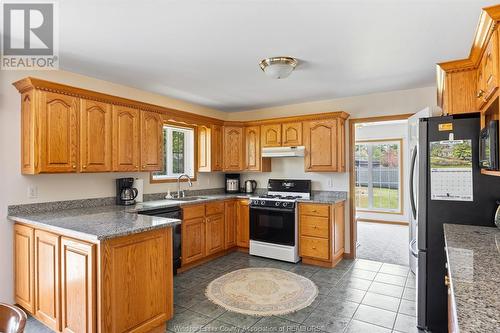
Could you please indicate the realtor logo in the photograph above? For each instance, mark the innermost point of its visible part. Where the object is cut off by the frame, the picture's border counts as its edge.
(29, 36)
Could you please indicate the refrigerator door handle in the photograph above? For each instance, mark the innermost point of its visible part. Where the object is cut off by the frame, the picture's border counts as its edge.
(411, 187)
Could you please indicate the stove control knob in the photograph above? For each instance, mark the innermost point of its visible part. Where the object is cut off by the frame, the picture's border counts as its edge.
(277, 203)
(262, 202)
(285, 204)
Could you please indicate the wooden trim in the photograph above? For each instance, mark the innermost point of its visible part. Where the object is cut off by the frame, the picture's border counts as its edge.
(362, 219)
(352, 182)
(401, 182)
(290, 119)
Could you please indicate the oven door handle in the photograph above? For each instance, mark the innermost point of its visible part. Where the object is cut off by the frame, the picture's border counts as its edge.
(290, 210)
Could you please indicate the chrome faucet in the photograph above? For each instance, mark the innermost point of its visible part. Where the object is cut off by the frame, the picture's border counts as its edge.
(179, 185)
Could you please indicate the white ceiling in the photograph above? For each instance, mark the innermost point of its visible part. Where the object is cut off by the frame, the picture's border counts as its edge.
(207, 51)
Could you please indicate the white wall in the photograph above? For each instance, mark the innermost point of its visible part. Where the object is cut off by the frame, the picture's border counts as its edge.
(389, 131)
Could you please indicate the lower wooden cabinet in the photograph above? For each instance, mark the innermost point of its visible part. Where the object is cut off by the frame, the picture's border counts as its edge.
(321, 233)
(214, 234)
(193, 240)
(243, 224)
(24, 287)
(230, 224)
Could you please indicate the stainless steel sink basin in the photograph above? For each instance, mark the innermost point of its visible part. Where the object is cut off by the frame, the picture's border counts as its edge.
(193, 198)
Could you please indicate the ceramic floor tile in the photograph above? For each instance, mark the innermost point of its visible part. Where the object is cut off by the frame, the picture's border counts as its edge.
(217, 326)
(391, 279)
(362, 274)
(381, 301)
(409, 294)
(298, 316)
(368, 265)
(375, 316)
(386, 289)
(350, 294)
(208, 309)
(406, 323)
(357, 326)
(240, 320)
(274, 324)
(188, 321)
(408, 307)
(337, 307)
(394, 269)
(326, 322)
(356, 283)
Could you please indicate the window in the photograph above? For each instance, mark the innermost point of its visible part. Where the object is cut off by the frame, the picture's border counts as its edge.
(378, 175)
(178, 153)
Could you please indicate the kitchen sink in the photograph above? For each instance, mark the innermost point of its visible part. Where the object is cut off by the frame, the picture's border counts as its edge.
(193, 198)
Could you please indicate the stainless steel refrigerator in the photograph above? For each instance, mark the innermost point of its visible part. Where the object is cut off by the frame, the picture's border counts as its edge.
(466, 197)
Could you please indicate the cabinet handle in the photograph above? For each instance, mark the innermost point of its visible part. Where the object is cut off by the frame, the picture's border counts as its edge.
(144, 167)
(446, 281)
(84, 166)
(74, 166)
(480, 93)
(314, 247)
(137, 167)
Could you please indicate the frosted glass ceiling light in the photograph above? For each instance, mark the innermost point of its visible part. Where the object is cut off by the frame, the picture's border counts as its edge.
(278, 67)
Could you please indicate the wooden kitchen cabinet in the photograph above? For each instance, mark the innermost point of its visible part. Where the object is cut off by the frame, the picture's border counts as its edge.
(243, 224)
(234, 150)
(126, 138)
(47, 291)
(58, 132)
(151, 141)
(487, 72)
(193, 240)
(215, 233)
(270, 135)
(210, 148)
(95, 137)
(78, 286)
(321, 233)
(230, 224)
(324, 142)
(216, 151)
(24, 287)
(253, 159)
(292, 134)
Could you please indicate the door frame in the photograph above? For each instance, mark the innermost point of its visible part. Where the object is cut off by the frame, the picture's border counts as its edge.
(353, 231)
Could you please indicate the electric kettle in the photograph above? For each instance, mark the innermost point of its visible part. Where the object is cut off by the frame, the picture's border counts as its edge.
(250, 186)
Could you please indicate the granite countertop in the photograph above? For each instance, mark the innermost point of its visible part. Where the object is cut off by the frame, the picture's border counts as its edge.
(473, 255)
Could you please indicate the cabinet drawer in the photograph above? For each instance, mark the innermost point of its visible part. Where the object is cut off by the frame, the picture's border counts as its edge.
(315, 226)
(215, 208)
(315, 210)
(191, 212)
(314, 248)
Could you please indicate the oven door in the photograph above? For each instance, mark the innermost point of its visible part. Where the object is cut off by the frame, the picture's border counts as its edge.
(272, 225)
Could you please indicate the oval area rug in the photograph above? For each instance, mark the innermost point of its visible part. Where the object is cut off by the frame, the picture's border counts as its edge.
(262, 291)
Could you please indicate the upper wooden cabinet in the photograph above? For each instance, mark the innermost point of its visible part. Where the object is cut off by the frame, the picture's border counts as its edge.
(210, 148)
(271, 135)
(234, 150)
(253, 159)
(292, 134)
(95, 137)
(487, 72)
(324, 143)
(126, 139)
(151, 141)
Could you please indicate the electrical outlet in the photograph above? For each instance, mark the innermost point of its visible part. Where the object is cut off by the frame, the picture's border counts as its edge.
(32, 192)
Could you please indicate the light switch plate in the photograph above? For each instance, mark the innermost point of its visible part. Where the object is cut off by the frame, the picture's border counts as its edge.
(32, 192)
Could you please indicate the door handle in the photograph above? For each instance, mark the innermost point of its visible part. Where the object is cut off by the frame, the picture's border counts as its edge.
(412, 172)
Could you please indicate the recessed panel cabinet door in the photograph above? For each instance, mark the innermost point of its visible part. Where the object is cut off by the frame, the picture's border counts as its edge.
(230, 224)
(215, 234)
(243, 224)
(204, 148)
(321, 140)
(271, 135)
(292, 134)
(95, 137)
(24, 267)
(58, 132)
(47, 293)
(78, 293)
(193, 240)
(151, 141)
(252, 151)
(126, 139)
(233, 149)
(216, 147)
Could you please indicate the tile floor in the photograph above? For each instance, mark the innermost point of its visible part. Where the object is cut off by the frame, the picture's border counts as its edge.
(356, 296)
(383, 242)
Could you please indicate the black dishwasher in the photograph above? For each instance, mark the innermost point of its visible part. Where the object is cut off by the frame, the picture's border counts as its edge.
(174, 212)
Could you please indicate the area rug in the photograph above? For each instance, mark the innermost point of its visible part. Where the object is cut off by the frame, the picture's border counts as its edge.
(262, 291)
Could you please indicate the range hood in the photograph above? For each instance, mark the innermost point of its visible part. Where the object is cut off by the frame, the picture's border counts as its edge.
(283, 151)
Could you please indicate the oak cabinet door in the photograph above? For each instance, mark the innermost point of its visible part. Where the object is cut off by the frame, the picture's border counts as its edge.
(29, 146)
(230, 224)
(47, 292)
(243, 224)
(58, 132)
(252, 152)
(151, 141)
(216, 147)
(215, 234)
(24, 267)
(490, 67)
(204, 149)
(292, 134)
(193, 240)
(338, 242)
(95, 136)
(321, 144)
(78, 293)
(270, 135)
(126, 139)
(233, 149)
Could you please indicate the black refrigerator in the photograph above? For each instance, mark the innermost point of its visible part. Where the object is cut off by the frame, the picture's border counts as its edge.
(467, 198)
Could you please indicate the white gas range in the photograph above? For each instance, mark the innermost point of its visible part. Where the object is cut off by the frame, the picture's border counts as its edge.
(273, 219)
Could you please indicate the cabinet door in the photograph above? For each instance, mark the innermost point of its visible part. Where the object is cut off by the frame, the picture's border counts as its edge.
(339, 224)
(216, 147)
(95, 137)
(204, 148)
(252, 152)
(23, 267)
(230, 224)
(321, 143)
(292, 134)
(58, 132)
(271, 135)
(341, 144)
(29, 152)
(243, 224)
(47, 293)
(233, 149)
(151, 141)
(193, 240)
(215, 234)
(490, 66)
(78, 293)
(126, 140)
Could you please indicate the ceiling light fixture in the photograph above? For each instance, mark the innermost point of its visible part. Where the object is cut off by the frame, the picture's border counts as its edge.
(278, 67)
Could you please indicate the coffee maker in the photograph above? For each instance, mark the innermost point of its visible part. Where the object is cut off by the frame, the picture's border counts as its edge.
(232, 182)
(125, 193)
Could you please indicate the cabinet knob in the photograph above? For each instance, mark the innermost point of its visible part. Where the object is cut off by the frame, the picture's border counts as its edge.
(144, 167)
(137, 167)
(74, 166)
(84, 166)
(314, 247)
(480, 93)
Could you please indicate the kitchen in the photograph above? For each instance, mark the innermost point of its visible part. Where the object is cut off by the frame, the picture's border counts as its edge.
(71, 137)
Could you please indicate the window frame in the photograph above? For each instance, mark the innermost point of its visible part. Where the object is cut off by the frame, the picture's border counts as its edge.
(173, 179)
(399, 211)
